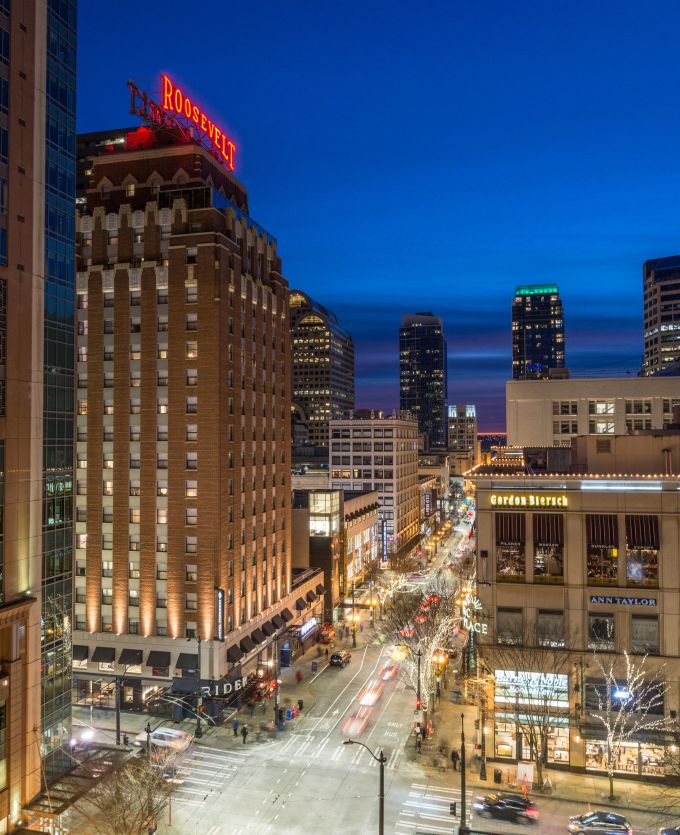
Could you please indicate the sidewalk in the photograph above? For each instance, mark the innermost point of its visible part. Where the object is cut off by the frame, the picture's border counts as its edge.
(577, 787)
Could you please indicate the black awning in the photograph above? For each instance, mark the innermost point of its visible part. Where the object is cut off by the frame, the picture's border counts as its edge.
(234, 654)
(311, 597)
(106, 655)
(80, 652)
(286, 615)
(268, 628)
(300, 604)
(602, 530)
(187, 661)
(130, 656)
(246, 644)
(278, 621)
(642, 531)
(158, 659)
(257, 635)
(319, 589)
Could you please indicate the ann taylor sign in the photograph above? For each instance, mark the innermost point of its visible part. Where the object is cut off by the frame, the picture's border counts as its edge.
(622, 601)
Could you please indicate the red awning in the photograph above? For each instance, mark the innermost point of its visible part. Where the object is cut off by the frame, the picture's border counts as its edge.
(642, 531)
(602, 530)
(510, 529)
(548, 529)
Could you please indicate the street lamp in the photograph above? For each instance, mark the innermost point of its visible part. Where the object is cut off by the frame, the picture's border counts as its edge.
(382, 759)
(463, 829)
(199, 692)
(482, 758)
(418, 700)
(354, 619)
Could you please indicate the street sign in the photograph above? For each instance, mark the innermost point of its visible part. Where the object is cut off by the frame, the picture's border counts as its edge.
(452, 809)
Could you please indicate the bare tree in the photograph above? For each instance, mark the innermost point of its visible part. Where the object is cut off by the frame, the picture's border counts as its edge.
(130, 800)
(630, 701)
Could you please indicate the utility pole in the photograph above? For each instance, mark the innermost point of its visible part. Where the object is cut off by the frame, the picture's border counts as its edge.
(117, 681)
(463, 830)
(276, 680)
(418, 699)
(354, 618)
(199, 692)
(482, 762)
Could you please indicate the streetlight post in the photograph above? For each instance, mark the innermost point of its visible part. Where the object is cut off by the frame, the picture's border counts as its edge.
(199, 693)
(381, 759)
(117, 710)
(276, 680)
(372, 606)
(482, 760)
(463, 830)
(354, 618)
(418, 700)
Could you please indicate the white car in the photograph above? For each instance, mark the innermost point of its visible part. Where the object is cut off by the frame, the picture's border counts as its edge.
(168, 739)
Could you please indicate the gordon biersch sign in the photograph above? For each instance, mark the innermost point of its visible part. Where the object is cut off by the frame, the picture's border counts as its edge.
(175, 100)
(623, 601)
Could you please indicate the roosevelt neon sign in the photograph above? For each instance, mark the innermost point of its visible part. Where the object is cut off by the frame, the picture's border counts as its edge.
(175, 100)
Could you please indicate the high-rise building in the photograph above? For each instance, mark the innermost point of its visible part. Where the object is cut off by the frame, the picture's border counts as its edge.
(423, 375)
(463, 428)
(537, 331)
(661, 292)
(323, 366)
(37, 179)
(183, 429)
(387, 447)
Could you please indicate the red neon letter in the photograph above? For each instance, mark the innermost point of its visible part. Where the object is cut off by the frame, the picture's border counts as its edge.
(195, 114)
(178, 100)
(187, 108)
(216, 138)
(167, 92)
(203, 128)
(232, 150)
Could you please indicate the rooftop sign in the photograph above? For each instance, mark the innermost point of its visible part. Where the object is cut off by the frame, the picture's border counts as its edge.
(531, 500)
(536, 290)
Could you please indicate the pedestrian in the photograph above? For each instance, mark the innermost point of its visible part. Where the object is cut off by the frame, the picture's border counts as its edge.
(422, 731)
(251, 707)
(234, 725)
(326, 653)
(298, 676)
(418, 744)
(244, 733)
(455, 756)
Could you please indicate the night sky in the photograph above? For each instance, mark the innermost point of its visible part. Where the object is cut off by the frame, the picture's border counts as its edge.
(431, 156)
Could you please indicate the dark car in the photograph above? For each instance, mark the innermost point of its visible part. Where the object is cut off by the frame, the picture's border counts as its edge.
(340, 659)
(509, 807)
(670, 830)
(599, 823)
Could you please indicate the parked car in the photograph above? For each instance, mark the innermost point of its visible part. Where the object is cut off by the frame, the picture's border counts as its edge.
(509, 807)
(669, 830)
(340, 659)
(167, 739)
(599, 823)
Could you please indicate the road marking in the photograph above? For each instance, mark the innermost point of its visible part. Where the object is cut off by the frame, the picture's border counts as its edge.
(318, 751)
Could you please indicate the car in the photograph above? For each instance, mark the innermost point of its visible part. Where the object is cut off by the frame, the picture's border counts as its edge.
(669, 830)
(356, 721)
(510, 807)
(371, 693)
(340, 659)
(599, 823)
(165, 739)
(389, 670)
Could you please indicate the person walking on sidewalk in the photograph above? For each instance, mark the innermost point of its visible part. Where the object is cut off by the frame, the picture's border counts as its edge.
(298, 676)
(454, 759)
(244, 733)
(234, 725)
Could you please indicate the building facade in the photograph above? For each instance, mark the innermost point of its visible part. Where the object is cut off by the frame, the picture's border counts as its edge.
(537, 331)
(580, 561)
(661, 299)
(552, 412)
(322, 367)
(183, 427)
(375, 452)
(423, 375)
(462, 428)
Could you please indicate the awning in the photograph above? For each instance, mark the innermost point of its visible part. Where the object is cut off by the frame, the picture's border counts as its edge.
(187, 661)
(548, 529)
(319, 589)
(278, 621)
(602, 530)
(159, 659)
(106, 655)
(510, 529)
(268, 628)
(234, 654)
(80, 652)
(257, 636)
(642, 531)
(311, 597)
(130, 656)
(246, 644)
(300, 604)
(286, 615)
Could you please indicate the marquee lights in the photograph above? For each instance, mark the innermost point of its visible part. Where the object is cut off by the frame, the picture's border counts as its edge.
(175, 100)
(530, 500)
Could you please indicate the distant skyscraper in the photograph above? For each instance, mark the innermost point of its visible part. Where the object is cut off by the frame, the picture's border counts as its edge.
(537, 331)
(462, 428)
(323, 366)
(661, 289)
(423, 374)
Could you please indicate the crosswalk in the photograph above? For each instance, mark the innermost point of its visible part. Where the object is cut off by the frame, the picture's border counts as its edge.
(203, 770)
(428, 808)
(310, 747)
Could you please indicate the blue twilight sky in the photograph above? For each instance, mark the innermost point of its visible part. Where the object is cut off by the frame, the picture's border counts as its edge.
(430, 156)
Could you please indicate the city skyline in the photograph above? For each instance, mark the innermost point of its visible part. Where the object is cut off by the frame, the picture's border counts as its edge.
(555, 176)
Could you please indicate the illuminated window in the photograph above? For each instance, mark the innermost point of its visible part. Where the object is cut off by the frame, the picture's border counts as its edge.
(191, 516)
(190, 489)
(191, 350)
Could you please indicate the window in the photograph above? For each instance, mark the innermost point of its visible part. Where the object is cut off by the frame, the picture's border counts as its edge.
(108, 407)
(191, 461)
(191, 352)
(135, 515)
(162, 516)
(107, 570)
(135, 298)
(135, 433)
(509, 626)
(191, 432)
(192, 405)
(135, 406)
(192, 293)
(161, 572)
(192, 321)
(191, 516)
(191, 573)
(133, 572)
(161, 488)
(565, 407)
(510, 556)
(162, 324)
(162, 461)
(161, 433)
(642, 550)
(550, 628)
(191, 601)
(81, 540)
(108, 379)
(135, 379)
(162, 352)
(601, 632)
(191, 545)
(107, 542)
(82, 407)
(548, 547)
(190, 489)
(162, 406)
(133, 544)
(192, 376)
(644, 634)
(602, 548)
(135, 488)
(192, 254)
(161, 545)
(130, 190)
(108, 488)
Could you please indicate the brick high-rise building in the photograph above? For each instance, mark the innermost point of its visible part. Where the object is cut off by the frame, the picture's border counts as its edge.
(183, 427)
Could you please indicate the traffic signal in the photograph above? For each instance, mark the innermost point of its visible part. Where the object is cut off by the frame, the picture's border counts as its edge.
(452, 809)
(418, 704)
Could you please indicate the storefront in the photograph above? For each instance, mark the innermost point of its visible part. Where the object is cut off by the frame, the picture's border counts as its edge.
(636, 759)
(297, 639)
